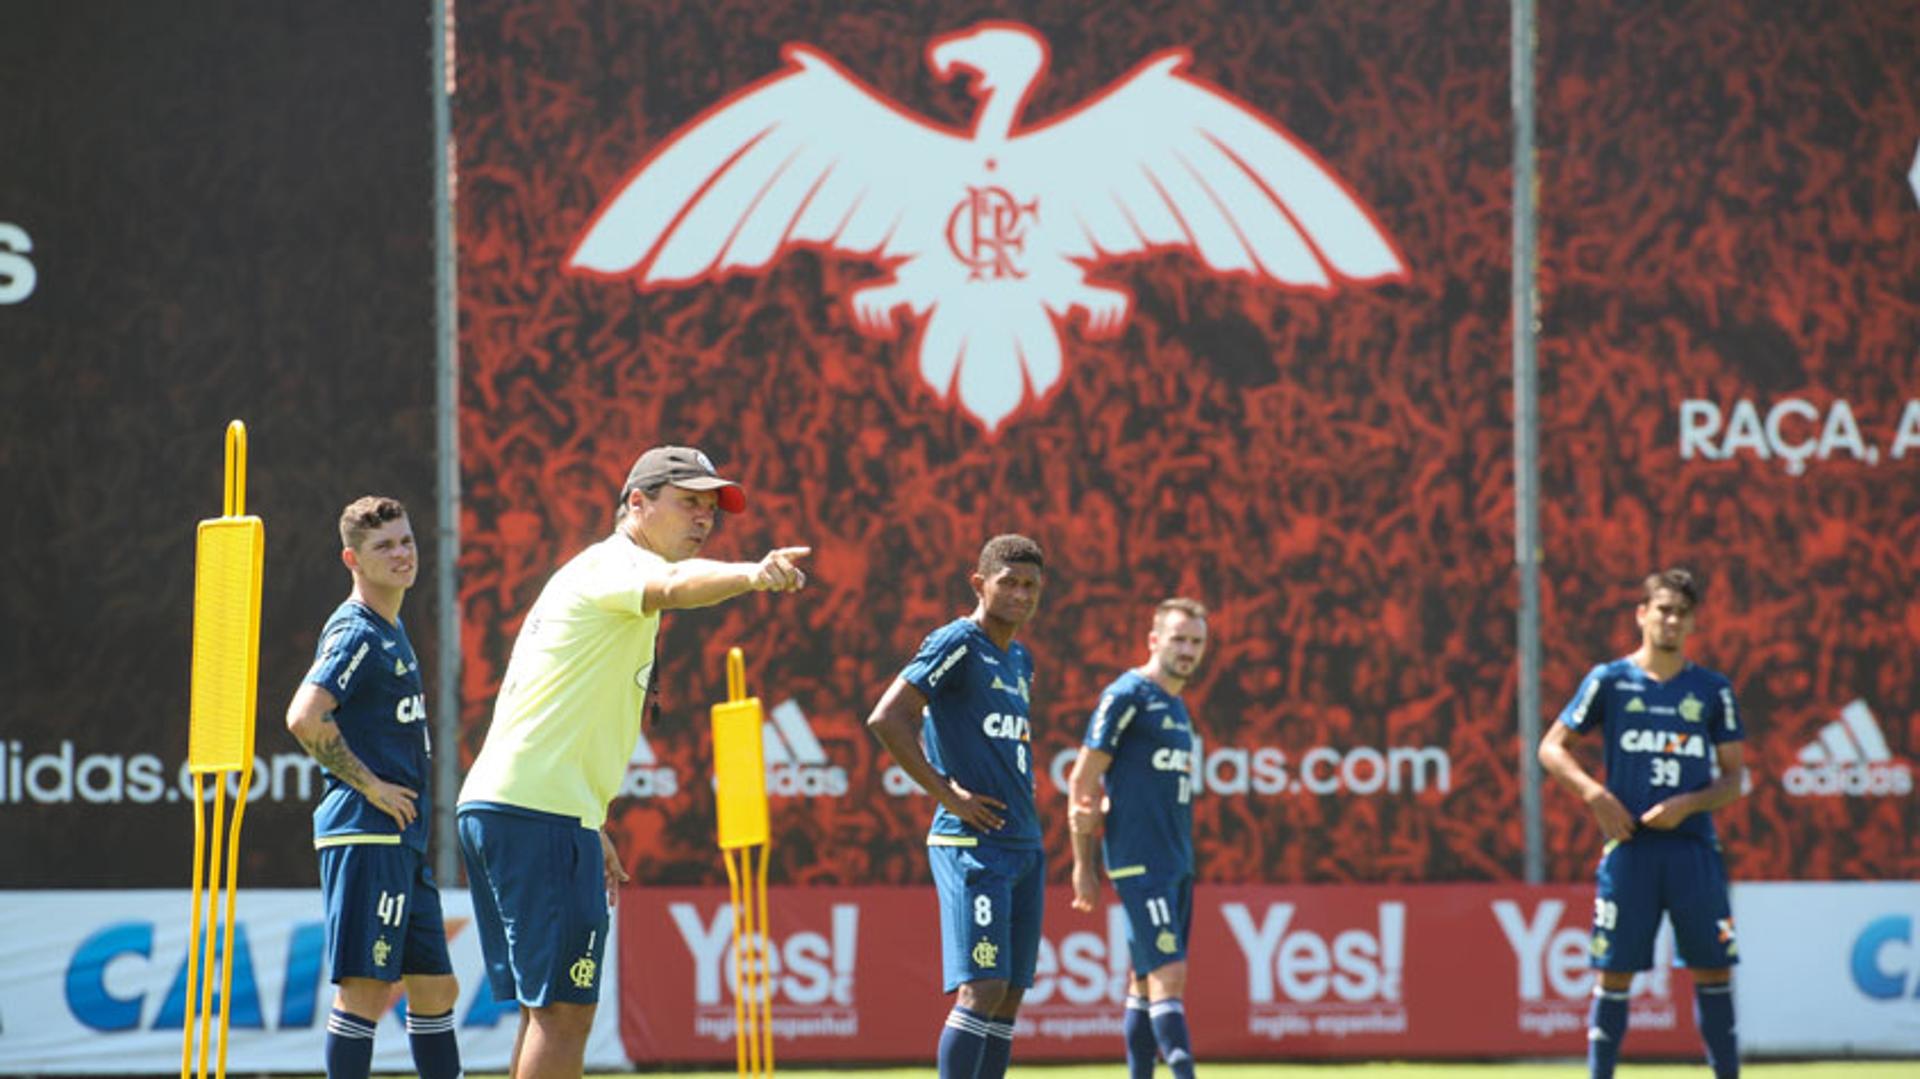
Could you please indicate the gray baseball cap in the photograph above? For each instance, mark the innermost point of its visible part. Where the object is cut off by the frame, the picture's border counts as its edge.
(683, 466)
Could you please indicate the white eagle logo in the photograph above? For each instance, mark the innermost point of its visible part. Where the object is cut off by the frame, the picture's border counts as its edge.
(988, 237)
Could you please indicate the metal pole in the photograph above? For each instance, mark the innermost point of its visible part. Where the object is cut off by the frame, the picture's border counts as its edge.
(446, 414)
(1526, 430)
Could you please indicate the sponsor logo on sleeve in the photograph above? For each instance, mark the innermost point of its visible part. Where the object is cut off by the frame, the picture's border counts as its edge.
(352, 665)
(946, 665)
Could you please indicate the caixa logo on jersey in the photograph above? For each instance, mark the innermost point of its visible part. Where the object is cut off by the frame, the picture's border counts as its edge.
(1339, 979)
(1885, 963)
(1553, 975)
(1849, 758)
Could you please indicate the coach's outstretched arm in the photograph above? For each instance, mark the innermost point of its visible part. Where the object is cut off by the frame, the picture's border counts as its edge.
(896, 723)
(702, 582)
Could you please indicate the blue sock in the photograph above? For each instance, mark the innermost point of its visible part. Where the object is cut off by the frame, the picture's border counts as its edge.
(1142, 1050)
(1170, 1033)
(1606, 1027)
(349, 1046)
(999, 1050)
(1713, 1013)
(435, 1054)
(962, 1042)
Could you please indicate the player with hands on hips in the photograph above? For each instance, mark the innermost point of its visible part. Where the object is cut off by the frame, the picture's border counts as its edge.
(967, 694)
(361, 712)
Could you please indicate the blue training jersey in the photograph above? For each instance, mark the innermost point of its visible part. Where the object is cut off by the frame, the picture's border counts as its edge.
(1660, 736)
(975, 728)
(1150, 783)
(368, 665)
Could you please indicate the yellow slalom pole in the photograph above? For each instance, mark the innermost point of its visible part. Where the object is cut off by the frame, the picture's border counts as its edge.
(739, 981)
(764, 938)
(740, 806)
(193, 942)
(228, 559)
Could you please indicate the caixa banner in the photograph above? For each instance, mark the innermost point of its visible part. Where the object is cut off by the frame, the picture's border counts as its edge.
(96, 984)
(1313, 972)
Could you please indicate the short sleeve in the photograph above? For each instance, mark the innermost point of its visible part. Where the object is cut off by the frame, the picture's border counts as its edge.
(339, 665)
(1110, 720)
(1724, 724)
(619, 581)
(1587, 709)
(932, 668)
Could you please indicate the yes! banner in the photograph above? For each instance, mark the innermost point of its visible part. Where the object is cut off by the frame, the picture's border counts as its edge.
(1335, 971)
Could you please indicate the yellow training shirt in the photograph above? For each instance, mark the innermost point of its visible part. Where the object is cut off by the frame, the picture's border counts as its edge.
(570, 705)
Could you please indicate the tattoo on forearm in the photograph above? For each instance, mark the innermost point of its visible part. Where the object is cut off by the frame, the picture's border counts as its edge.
(331, 751)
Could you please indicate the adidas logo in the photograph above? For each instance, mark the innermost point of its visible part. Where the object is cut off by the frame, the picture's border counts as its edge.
(1849, 758)
(1636, 705)
(797, 764)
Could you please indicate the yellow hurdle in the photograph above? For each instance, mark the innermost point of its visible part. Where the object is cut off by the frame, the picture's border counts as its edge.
(740, 804)
(228, 557)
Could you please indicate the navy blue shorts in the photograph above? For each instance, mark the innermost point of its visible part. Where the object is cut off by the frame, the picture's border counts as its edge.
(1650, 875)
(383, 912)
(539, 903)
(991, 902)
(1159, 919)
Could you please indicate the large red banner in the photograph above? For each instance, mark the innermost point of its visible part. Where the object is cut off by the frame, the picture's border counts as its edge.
(1259, 360)
(1316, 972)
(762, 228)
(1730, 244)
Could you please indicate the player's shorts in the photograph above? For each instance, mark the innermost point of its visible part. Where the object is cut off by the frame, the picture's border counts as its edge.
(1159, 918)
(991, 902)
(539, 902)
(383, 912)
(1680, 876)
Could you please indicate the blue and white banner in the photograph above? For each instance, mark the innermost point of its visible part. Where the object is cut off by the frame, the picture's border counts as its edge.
(1828, 969)
(96, 983)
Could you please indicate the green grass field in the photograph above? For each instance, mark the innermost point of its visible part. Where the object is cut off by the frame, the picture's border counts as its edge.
(1888, 1069)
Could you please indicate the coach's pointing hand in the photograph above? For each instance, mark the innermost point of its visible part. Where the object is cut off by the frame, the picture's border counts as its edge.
(779, 570)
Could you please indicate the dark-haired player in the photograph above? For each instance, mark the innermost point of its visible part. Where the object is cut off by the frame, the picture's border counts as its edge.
(967, 693)
(362, 713)
(1673, 755)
